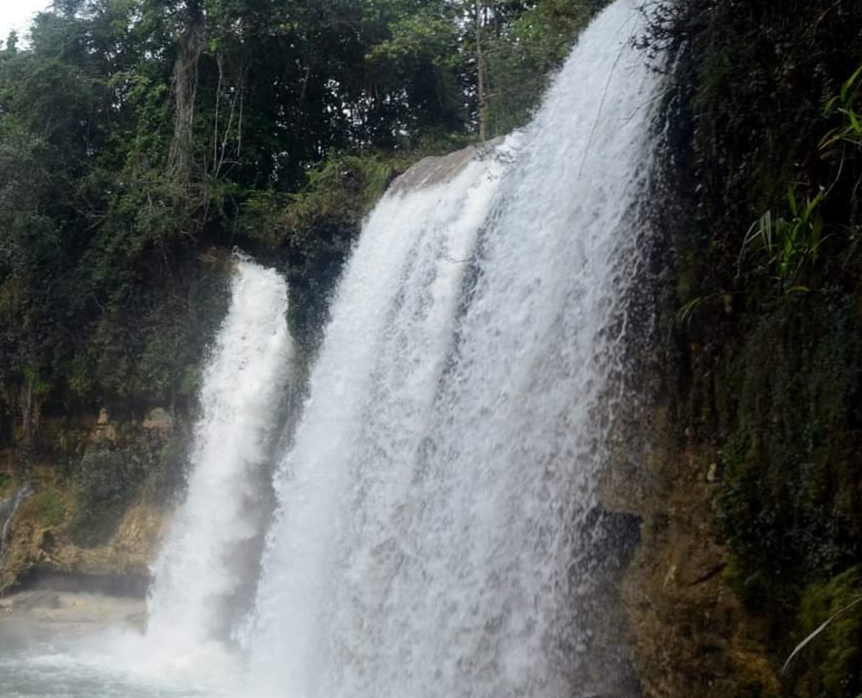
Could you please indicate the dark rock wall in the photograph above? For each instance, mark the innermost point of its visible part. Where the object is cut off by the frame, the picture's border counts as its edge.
(751, 495)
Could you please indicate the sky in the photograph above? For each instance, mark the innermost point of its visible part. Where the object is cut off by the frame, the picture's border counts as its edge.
(16, 14)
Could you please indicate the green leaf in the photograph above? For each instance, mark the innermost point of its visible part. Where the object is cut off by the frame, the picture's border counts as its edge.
(685, 313)
(845, 88)
(854, 122)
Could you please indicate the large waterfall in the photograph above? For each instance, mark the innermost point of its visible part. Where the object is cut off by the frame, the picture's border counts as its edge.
(205, 557)
(437, 528)
(433, 532)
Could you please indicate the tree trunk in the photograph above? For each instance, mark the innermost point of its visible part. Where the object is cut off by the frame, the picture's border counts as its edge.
(184, 88)
(481, 76)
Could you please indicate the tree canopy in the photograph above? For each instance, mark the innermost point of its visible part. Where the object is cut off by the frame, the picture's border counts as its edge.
(135, 134)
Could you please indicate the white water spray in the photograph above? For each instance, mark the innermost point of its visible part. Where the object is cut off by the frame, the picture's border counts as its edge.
(433, 534)
(203, 559)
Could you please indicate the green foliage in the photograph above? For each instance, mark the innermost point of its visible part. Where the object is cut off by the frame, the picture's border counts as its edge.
(786, 246)
(794, 64)
(790, 246)
(833, 660)
(111, 476)
(317, 226)
(524, 49)
(759, 120)
(790, 492)
(50, 506)
(752, 588)
(339, 192)
(128, 145)
(7, 480)
(687, 310)
(847, 103)
(158, 361)
(751, 96)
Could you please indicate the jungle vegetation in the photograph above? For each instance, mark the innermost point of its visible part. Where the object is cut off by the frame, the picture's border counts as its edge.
(142, 140)
(761, 197)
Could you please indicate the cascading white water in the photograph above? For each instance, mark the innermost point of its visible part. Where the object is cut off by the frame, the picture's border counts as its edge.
(200, 566)
(432, 536)
(8, 509)
(383, 355)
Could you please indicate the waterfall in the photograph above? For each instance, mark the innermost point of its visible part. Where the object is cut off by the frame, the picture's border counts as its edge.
(433, 534)
(8, 509)
(204, 559)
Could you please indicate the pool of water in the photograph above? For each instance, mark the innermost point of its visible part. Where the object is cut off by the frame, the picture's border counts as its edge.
(82, 646)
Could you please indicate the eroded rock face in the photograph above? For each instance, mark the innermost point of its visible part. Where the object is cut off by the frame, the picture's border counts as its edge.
(689, 634)
(37, 548)
(439, 169)
(45, 538)
(433, 170)
(158, 419)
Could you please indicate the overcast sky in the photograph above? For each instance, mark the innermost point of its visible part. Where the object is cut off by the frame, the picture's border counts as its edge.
(16, 14)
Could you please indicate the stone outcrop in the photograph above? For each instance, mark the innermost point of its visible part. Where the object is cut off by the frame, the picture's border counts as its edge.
(688, 633)
(37, 550)
(133, 463)
(438, 169)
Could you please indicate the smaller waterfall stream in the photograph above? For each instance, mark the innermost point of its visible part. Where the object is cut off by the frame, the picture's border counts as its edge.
(209, 549)
(8, 509)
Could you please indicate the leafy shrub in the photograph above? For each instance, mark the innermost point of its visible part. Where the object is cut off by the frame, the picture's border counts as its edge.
(789, 246)
(50, 506)
(848, 104)
(316, 226)
(786, 246)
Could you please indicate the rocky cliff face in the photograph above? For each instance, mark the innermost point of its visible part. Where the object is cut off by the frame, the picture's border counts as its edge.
(688, 633)
(741, 461)
(97, 491)
(751, 496)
